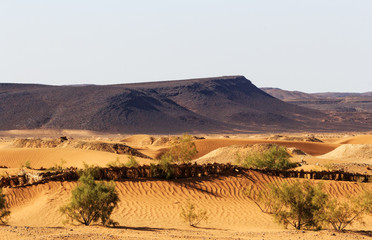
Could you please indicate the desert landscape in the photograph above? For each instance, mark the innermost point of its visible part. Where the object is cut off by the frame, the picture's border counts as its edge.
(223, 120)
(149, 208)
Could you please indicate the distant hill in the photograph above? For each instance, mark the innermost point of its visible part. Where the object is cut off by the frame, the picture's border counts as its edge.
(208, 105)
(287, 95)
(352, 108)
(292, 95)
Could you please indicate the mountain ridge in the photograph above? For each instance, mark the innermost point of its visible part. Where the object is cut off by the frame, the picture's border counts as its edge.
(208, 105)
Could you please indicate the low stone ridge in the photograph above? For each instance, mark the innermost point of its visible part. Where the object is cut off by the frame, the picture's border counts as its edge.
(179, 171)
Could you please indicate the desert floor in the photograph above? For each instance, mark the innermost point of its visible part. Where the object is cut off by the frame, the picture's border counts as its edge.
(150, 208)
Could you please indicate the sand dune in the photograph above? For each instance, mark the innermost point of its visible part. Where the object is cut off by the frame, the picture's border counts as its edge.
(48, 157)
(156, 203)
(362, 139)
(207, 145)
(361, 153)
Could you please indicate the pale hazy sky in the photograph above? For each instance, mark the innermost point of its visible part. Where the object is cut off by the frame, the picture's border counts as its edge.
(311, 46)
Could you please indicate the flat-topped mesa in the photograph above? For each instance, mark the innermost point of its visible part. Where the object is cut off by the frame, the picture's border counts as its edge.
(225, 104)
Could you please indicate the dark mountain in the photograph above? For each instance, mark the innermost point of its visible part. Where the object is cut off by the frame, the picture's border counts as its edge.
(209, 105)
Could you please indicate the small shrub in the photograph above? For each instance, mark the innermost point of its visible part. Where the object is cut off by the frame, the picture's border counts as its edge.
(58, 166)
(182, 150)
(92, 170)
(115, 163)
(306, 205)
(330, 166)
(91, 202)
(164, 169)
(275, 158)
(27, 164)
(262, 199)
(4, 209)
(132, 162)
(340, 215)
(365, 201)
(191, 215)
(298, 204)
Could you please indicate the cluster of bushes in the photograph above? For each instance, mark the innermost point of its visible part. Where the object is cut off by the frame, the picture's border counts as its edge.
(306, 205)
(276, 158)
(132, 162)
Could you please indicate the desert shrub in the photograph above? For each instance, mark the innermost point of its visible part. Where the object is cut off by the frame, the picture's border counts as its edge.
(92, 170)
(261, 198)
(91, 202)
(342, 214)
(275, 158)
(191, 215)
(164, 169)
(132, 162)
(115, 163)
(365, 201)
(58, 166)
(182, 150)
(306, 205)
(4, 209)
(298, 204)
(27, 164)
(330, 166)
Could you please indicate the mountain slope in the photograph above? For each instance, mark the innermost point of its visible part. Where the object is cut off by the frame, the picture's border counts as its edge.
(221, 104)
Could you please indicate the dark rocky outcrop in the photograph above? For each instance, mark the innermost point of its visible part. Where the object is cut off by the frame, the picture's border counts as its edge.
(178, 171)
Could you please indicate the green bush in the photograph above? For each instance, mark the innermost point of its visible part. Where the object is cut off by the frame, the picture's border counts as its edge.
(91, 202)
(306, 205)
(92, 170)
(340, 215)
(27, 164)
(191, 215)
(182, 150)
(4, 209)
(298, 204)
(365, 201)
(58, 167)
(132, 162)
(275, 158)
(115, 163)
(164, 169)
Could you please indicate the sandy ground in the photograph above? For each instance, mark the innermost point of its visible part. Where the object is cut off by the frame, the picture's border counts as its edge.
(137, 233)
(149, 209)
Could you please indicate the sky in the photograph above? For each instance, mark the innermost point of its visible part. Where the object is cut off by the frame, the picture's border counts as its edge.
(310, 46)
